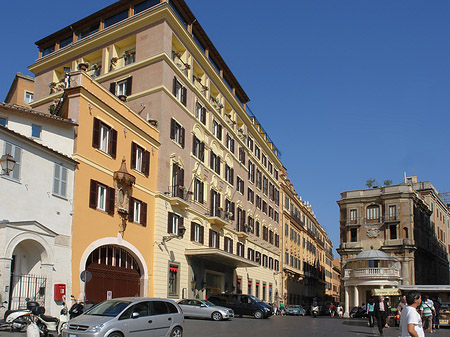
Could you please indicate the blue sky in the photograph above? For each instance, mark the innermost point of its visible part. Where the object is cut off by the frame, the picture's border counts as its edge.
(348, 90)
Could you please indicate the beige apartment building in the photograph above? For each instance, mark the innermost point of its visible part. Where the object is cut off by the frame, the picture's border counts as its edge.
(216, 216)
(336, 280)
(388, 239)
(21, 91)
(306, 253)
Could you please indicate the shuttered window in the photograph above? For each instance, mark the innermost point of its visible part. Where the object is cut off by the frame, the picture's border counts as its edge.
(101, 197)
(137, 212)
(104, 138)
(140, 159)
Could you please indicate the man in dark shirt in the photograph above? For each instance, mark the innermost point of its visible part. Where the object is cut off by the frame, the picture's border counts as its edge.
(381, 312)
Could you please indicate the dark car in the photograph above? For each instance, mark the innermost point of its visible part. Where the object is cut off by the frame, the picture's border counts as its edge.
(358, 312)
(243, 305)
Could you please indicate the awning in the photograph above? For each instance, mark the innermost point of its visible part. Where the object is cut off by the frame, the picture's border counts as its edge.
(221, 256)
(386, 292)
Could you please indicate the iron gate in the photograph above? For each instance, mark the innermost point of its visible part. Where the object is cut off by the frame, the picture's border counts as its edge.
(26, 286)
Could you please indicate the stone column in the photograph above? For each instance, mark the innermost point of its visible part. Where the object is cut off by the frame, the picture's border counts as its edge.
(346, 304)
(356, 297)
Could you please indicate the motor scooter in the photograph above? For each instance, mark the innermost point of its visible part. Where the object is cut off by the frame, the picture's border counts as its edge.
(314, 310)
(78, 307)
(15, 320)
(49, 325)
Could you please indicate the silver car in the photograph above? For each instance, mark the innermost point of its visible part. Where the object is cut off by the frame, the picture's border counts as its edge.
(204, 309)
(129, 316)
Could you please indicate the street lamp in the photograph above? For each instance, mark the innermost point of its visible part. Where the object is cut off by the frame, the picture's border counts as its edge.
(7, 163)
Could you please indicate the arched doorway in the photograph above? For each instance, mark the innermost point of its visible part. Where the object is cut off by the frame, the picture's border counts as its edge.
(113, 269)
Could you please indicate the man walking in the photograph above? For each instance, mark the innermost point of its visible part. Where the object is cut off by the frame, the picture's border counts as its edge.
(381, 312)
(410, 320)
(426, 312)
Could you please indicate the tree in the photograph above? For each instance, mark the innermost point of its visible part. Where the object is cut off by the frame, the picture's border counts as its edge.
(370, 182)
(387, 182)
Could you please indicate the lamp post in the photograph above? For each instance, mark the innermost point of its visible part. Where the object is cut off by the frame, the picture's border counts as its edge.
(7, 163)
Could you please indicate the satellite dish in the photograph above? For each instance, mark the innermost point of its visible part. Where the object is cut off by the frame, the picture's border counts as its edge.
(86, 276)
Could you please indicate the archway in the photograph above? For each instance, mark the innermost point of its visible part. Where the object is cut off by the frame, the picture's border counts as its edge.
(112, 269)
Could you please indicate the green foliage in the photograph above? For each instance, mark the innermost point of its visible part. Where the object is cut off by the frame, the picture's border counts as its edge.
(387, 182)
(370, 182)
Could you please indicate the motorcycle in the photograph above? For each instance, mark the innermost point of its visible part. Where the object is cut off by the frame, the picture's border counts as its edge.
(315, 310)
(78, 307)
(49, 325)
(15, 320)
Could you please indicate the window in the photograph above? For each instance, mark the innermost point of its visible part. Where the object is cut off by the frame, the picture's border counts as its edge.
(198, 190)
(251, 171)
(28, 97)
(393, 232)
(48, 50)
(129, 57)
(230, 143)
(179, 91)
(373, 213)
(240, 249)
(264, 160)
(200, 113)
(392, 212)
(240, 185)
(241, 155)
(115, 18)
(270, 212)
(228, 245)
(251, 196)
(257, 228)
(265, 185)
(36, 131)
(217, 130)
(87, 31)
(177, 132)
(3, 121)
(215, 203)
(275, 173)
(240, 223)
(265, 233)
(257, 289)
(277, 241)
(16, 152)
(353, 235)
(251, 254)
(177, 181)
(250, 143)
(276, 217)
(175, 224)
(271, 237)
(229, 173)
(258, 179)
(286, 230)
(122, 87)
(173, 280)
(144, 5)
(353, 215)
(214, 163)
(198, 148)
(229, 209)
(104, 138)
(214, 239)
(251, 224)
(257, 152)
(102, 197)
(249, 287)
(264, 207)
(258, 202)
(137, 212)
(60, 180)
(270, 167)
(140, 159)
(65, 42)
(197, 232)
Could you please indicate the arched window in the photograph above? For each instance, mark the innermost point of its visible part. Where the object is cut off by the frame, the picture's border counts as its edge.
(373, 213)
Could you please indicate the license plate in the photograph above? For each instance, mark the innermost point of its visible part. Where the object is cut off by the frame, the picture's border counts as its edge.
(72, 335)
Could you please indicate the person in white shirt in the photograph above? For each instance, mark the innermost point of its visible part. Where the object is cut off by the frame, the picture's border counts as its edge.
(410, 320)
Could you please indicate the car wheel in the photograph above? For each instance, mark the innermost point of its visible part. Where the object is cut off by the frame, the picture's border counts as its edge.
(216, 316)
(115, 334)
(258, 314)
(176, 332)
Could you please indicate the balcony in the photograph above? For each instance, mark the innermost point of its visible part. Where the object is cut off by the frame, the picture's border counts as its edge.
(372, 273)
(178, 196)
(219, 218)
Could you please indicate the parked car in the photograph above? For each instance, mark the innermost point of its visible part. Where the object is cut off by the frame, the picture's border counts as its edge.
(296, 310)
(204, 309)
(128, 316)
(444, 314)
(243, 305)
(357, 312)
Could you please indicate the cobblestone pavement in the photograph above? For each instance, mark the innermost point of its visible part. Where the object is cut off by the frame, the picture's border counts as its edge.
(287, 326)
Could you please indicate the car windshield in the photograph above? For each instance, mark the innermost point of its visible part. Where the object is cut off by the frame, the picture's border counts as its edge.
(108, 308)
(208, 303)
(254, 299)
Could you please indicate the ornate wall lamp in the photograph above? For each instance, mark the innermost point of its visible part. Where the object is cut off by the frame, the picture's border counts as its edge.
(123, 184)
(7, 163)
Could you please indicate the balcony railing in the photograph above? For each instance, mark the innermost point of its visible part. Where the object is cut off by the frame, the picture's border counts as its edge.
(179, 196)
(372, 273)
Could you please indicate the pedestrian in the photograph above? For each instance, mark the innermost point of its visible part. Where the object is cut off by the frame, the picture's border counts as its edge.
(437, 309)
(410, 320)
(426, 312)
(282, 308)
(381, 313)
(363, 307)
(275, 308)
(401, 305)
(340, 310)
(371, 312)
(332, 309)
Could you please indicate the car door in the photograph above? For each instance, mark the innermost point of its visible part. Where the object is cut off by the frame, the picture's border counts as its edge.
(161, 318)
(137, 320)
(200, 309)
(245, 305)
(188, 308)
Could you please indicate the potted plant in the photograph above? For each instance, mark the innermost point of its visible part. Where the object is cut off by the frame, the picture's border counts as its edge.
(83, 66)
(153, 122)
(114, 60)
(123, 98)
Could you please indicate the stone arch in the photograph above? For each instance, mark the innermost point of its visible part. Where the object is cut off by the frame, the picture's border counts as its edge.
(198, 132)
(47, 252)
(117, 241)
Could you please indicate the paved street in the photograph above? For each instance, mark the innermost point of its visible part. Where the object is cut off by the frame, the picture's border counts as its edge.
(281, 326)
